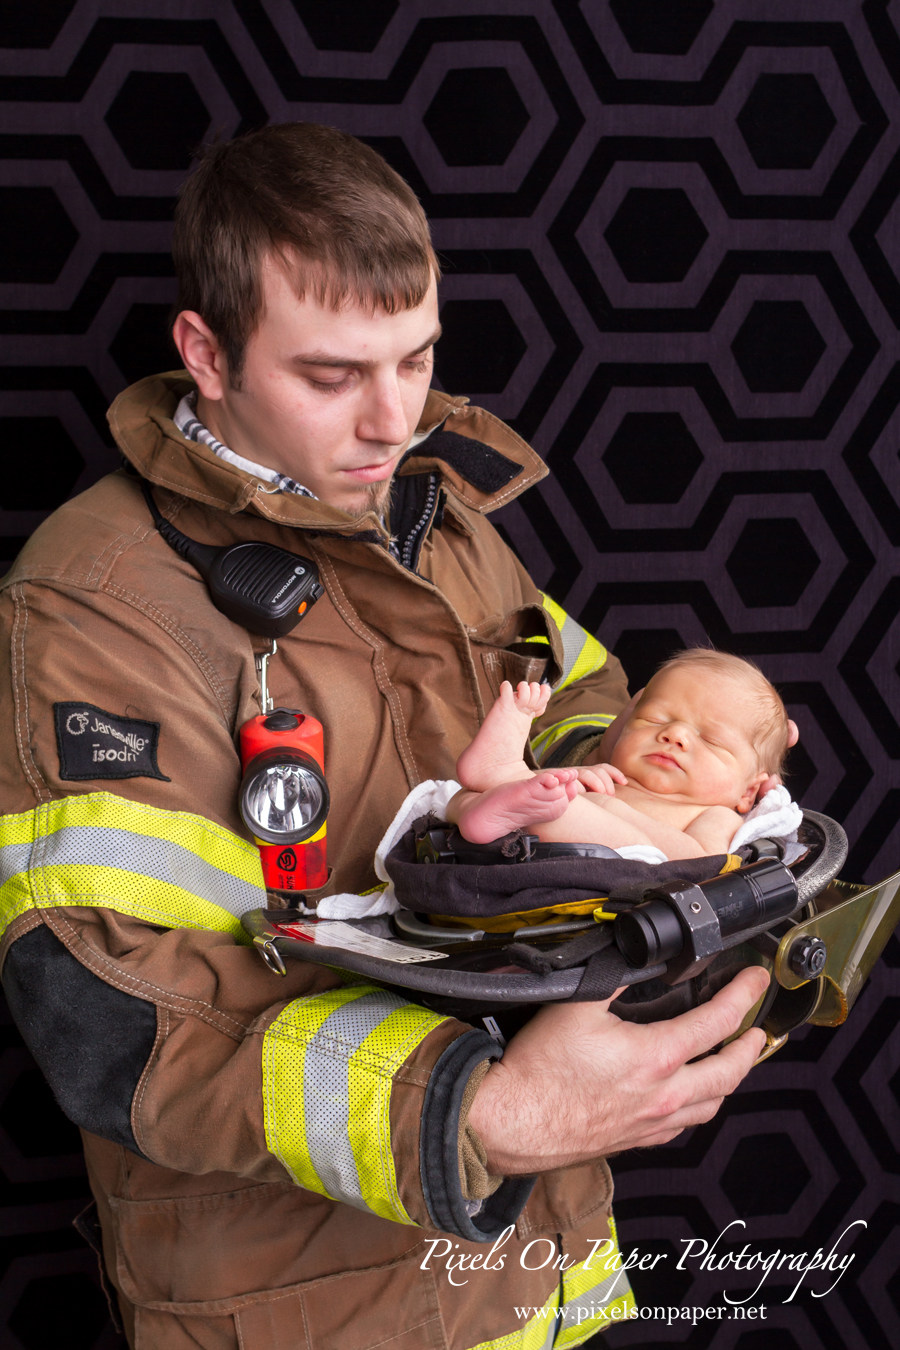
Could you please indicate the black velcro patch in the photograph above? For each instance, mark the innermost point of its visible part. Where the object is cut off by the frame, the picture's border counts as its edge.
(97, 744)
(481, 465)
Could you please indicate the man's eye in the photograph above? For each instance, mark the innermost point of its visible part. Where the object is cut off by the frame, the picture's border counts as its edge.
(419, 366)
(332, 386)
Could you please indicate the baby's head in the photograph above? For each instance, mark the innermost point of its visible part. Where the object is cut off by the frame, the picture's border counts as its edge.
(709, 729)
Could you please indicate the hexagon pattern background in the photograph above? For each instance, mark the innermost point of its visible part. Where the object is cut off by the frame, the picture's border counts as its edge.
(671, 239)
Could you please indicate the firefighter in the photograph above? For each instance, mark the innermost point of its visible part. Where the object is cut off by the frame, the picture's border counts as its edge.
(280, 1163)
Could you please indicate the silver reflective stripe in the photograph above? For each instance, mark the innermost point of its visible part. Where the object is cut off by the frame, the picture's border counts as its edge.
(590, 1300)
(14, 858)
(612, 1287)
(553, 1326)
(160, 859)
(326, 1091)
(573, 640)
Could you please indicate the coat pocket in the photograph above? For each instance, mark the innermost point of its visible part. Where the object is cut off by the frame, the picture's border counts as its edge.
(502, 663)
(271, 1267)
(566, 1198)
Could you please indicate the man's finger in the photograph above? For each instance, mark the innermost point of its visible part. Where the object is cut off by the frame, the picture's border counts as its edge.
(696, 1114)
(718, 1075)
(694, 1094)
(692, 1033)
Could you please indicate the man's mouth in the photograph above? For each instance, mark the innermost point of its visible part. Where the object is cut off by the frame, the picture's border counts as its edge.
(371, 473)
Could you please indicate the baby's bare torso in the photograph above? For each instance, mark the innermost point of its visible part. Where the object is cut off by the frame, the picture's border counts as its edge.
(714, 825)
(678, 815)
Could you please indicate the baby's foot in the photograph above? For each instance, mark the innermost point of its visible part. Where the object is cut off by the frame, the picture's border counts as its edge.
(513, 806)
(495, 755)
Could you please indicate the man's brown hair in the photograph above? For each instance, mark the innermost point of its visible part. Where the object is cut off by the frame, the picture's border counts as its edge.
(345, 225)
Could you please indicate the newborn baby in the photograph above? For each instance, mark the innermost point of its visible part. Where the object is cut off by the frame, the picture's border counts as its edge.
(707, 732)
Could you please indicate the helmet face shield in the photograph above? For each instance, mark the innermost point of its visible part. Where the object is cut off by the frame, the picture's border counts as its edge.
(284, 796)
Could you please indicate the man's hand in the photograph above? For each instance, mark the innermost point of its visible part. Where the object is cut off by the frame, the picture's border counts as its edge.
(773, 780)
(577, 1082)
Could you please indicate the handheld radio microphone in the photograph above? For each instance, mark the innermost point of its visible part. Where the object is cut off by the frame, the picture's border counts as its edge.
(284, 796)
(263, 588)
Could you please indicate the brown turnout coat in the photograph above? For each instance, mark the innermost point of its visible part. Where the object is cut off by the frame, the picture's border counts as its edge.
(207, 1238)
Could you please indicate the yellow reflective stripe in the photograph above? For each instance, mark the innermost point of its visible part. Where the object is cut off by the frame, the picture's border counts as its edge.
(595, 1316)
(329, 1062)
(538, 1333)
(591, 657)
(17, 829)
(372, 1070)
(546, 739)
(284, 1069)
(172, 868)
(129, 893)
(594, 1298)
(582, 653)
(214, 843)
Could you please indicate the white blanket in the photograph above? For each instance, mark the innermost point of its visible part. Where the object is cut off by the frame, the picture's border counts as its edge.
(430, 796)
(775, 817)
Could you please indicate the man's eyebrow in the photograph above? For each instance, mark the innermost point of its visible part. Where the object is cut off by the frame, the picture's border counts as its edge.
(321, 358)
(429, 342)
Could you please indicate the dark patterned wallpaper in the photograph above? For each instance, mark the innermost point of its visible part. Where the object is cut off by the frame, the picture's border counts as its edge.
(672, 254)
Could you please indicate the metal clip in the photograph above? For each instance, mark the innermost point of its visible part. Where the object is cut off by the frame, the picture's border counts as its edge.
(262, 672)
(270, 954)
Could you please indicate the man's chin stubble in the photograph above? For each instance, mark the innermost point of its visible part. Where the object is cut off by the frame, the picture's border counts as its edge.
(377, 495)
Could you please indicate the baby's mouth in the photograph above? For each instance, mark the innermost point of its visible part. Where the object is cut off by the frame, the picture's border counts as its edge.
(667, 761)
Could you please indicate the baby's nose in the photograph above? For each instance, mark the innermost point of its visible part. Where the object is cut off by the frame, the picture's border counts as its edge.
(676, 733)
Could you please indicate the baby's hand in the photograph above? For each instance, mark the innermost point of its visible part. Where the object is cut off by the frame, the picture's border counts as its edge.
(601, 778)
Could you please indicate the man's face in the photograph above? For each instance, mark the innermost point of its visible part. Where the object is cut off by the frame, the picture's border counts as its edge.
(686, 739)
(329, 397)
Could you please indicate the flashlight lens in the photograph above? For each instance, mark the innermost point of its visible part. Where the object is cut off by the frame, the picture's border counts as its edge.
(285, 799)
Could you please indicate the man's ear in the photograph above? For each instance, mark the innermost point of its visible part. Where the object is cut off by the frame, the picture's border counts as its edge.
(749, 797)
(201, 353)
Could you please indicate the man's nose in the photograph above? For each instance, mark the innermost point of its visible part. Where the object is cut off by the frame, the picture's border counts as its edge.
(383, 417)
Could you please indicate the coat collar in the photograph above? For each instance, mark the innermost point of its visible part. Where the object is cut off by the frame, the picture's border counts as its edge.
(502, 465)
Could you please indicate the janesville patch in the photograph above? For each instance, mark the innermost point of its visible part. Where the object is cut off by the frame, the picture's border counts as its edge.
(97, 744)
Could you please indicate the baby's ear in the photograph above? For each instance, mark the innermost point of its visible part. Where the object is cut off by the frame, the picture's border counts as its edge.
(748, 799)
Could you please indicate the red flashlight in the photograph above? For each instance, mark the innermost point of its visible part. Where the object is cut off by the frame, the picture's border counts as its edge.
(284, 797)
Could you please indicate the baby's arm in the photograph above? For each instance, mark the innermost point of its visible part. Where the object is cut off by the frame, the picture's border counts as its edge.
(714, 829)
(536, 803)
(553, 805)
